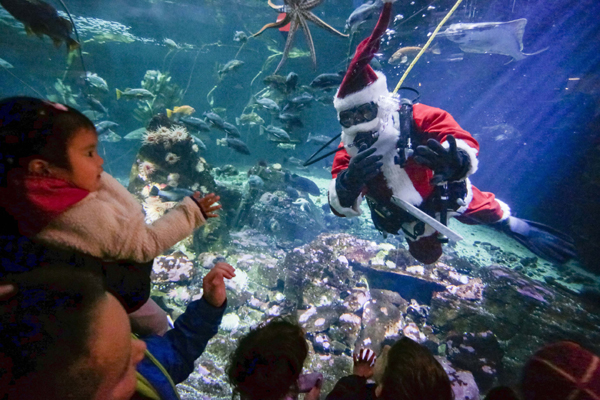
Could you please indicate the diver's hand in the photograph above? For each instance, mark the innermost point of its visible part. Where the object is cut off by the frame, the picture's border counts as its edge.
(450, 164)
(207, 204)
(213, 284)
(362, 168)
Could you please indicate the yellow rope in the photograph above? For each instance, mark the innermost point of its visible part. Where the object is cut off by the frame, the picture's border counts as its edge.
(412, 64)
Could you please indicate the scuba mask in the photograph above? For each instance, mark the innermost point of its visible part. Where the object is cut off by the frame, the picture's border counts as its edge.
(357, 115)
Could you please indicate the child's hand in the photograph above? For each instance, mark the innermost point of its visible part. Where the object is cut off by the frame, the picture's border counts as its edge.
(207, 204)
(214, 285)
(364, 362)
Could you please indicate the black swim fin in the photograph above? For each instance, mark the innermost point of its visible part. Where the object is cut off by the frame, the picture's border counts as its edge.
(540, 239)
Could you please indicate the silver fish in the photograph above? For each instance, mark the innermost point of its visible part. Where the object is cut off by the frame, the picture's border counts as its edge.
(5, 64)
(504, 38)
(135, 135)
(109, 137)
(362, 13)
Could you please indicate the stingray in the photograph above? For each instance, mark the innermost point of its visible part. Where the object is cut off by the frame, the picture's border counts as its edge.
(504, 38)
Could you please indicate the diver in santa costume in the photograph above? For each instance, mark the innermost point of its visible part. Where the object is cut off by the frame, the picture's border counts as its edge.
(395, 150)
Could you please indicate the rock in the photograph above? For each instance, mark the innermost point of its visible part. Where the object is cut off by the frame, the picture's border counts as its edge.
(172, 268)
(463, 383)
(230, 322)
(478, 353)
(381, 321)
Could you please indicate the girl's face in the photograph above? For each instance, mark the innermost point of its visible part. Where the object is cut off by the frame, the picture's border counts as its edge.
(86, 164)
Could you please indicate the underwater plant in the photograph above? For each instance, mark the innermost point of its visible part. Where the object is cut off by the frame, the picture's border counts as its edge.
(166, 95)
(64, 94)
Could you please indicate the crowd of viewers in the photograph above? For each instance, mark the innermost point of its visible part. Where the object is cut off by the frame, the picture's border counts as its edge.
(77, 321)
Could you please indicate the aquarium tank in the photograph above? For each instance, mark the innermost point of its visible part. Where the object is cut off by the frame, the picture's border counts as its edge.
(250, 99)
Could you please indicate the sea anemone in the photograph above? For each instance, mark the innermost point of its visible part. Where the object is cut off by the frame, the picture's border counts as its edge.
(163, 131)
(200, 166)
(179, 133)
(155, 208)
(146, 168)
(151, 137)
(172, 158)
(173, 180)
(195, 148)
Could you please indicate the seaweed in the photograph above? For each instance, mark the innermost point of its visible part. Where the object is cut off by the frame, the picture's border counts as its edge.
(166, 95)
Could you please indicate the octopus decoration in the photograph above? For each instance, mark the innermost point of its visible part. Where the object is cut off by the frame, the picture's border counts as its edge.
(296, 14)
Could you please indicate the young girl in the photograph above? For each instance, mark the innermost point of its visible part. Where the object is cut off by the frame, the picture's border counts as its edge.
(53, 185)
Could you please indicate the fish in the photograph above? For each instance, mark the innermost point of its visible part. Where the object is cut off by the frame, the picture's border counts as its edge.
(92, 114)
(361, 14)
(293, 160)
(215, 120)
(279, 134)
(325, 99)
(301, 100)
(291, 80)
(96, 105)
(109, 136)
(240, 36)
(104, 126)
(286, 146)
(268, 104)
(235, 144)
(199, 142)
(249, 119)
(400, 56)
(182, 110)
(303, 184)
(278, 82)
(194, 123)
(5, 64)
(290, 119)
(318, 139)
(94, 81)
(231, 66)
(231, 130)
(504, 38)
(135, 135)
(170, 194)
(136, 94)
(327, 81)
(291, 192)
(170, 43)
(40, 18)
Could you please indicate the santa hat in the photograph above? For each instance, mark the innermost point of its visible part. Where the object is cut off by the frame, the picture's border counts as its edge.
(560, 371)
(362, 84)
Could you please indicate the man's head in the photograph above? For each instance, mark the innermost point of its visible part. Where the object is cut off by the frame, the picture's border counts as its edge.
(63, 336)
(268, 361)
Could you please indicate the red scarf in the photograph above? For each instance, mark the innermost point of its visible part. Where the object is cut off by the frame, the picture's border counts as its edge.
(34, 200)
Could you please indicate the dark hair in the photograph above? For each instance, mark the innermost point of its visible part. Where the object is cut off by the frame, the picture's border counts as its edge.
(44, 334)
(268, 361)
(413, 373)
(31, 128)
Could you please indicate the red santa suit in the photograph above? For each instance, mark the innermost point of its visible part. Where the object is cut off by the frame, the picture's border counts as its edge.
(411, 182)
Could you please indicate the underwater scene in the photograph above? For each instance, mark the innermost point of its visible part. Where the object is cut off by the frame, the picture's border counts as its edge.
(240, 98)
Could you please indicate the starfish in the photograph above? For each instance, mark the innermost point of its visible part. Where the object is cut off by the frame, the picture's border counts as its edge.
(296, 14)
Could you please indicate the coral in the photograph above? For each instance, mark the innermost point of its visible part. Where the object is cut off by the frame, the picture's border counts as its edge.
(172, 158)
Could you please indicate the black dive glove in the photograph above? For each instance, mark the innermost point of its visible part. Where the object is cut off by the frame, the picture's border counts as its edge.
(450, 164)
(362, 168)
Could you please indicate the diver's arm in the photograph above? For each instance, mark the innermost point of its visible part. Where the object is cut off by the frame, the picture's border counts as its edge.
(435, 123)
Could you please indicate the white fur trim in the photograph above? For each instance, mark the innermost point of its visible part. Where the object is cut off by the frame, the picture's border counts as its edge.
(505, 209)
(471, 151)
(334, 202)
(371, 92)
